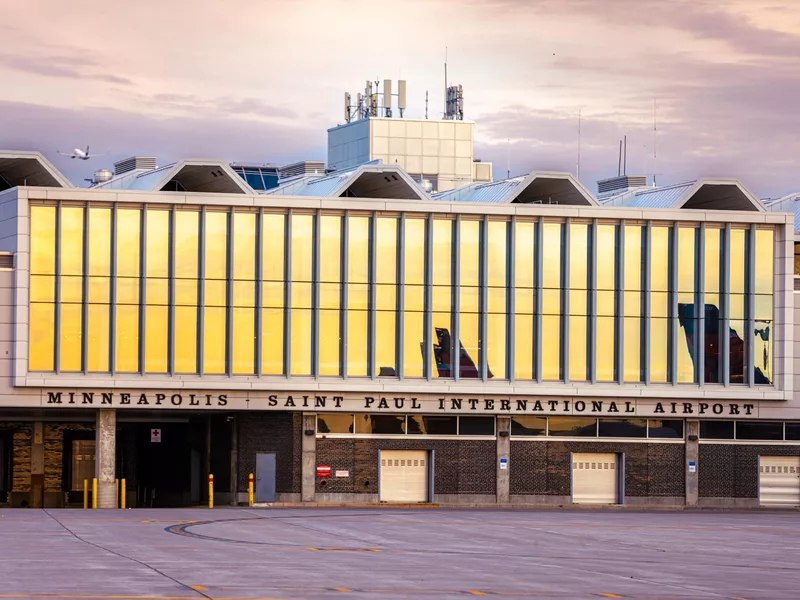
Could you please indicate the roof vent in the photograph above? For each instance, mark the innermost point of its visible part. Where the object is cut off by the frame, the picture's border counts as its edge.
(621, 183)
(134, 163)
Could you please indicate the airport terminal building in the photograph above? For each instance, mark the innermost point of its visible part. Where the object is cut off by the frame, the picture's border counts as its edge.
(348, 337)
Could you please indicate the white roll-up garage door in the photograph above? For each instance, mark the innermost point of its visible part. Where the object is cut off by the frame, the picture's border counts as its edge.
(404, 476)
(594, 478)
(779, 480)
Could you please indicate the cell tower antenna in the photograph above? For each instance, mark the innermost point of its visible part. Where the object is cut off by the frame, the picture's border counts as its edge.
(655, 141)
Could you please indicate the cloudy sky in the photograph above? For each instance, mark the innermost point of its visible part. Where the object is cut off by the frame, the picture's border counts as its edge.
(262, 80)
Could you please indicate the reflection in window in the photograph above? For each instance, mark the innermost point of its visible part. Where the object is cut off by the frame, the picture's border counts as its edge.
(442, 347)
(712, 273)
(335, 423)
(469, 298)
(432, 425)
(578, 300)
(660, 251)
(687, 314)
(668, 428)
(551, 301)
(385, 297)
(330, 273)
(636, 428)
(606, 278)
(716, 430)
(497, 281)
(475, 425)
(414, 297)
(736, 334)
(526, 425)
(759, 430)
(572, 426)
(357, 295)
(524, 294)
(762, 339)
(386, 424)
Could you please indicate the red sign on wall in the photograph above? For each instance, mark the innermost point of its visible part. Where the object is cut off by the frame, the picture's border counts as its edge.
(323, 470)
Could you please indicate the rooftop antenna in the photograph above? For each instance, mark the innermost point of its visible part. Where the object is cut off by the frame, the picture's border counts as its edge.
(578, 169)
(655, 141)
(508, 159)
(625, 157)
(445, 82)
(426, 105)
(619, 162)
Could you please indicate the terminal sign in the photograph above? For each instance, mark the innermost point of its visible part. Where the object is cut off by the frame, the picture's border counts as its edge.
(323, 470)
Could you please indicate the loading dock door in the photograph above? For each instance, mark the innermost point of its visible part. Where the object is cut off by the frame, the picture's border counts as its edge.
(594, 478)
(779, 480)
(265, 477)
(404, 476)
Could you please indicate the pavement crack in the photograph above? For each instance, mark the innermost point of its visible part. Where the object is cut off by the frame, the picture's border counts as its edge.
(130, 558)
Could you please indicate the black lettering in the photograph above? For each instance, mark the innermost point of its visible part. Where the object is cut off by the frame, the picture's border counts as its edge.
(208, 399)
(538, 405)
(319, 401)
(125, 398)
(399, 402)
(748, 409)
(612, 407)
(702, 408)
(88, 398)
(718, 408)
(107, 398)
(441, 403)
(143, 399)
(337, 400)
(522, 405)
(455, 403)
(192, 400)
(54, 398)
(272, 400)
(629, 408)
(734, 409)
(553, 405)
(473, 403)
(659, 408)
(687, 408)
(290, 401)
(72, 397)
(305, 400)
(160, 398)
(566, 405)
(176, 400)
(597, 406)
(488, 404)
(414, 404)
(674, 407)
(505, 404)
(580, 405)
(382, 403)
(222, 400)
(368, 401)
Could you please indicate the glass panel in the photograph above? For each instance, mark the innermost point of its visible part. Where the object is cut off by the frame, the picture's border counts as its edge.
(524, 300)
(712, 278)
(469, 298)
(272, 270)
(551, 302)
(302, 257)
(244, 273)
(387, 424)
(635, 428)
(127, 322)
(665, 429)
(792, 431)
(335, 423)
(185, 339)
(716, 430)
(497, 281)
(475, 425)
(42, 343)
(659, 304)
(97, 333)
(606, 331)
(43, 240)
(71, 255)
(442, 347)
(430, 425)
(186, 265)
(578, 299)
(756, 430)
(762, 340)
(633, 304)
(572, 426)
(216, 260)
(42, 315)
(687, 315)
(414, 297)
(737, 334)
(386, 297)
(358, 295)
(521, 426)
(244, 341)
(156, 271)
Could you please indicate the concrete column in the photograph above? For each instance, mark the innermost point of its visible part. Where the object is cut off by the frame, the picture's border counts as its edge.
(503, 454)
(692, 456)
(37, 466)
(309, 462)
(106, 457)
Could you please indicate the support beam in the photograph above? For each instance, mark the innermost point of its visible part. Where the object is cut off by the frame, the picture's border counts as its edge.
(503, 452)
(106, 457)
(692, 456)
(37, 466)
(309, 460)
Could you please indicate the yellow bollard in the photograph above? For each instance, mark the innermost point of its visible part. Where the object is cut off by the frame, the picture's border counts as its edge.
(122, 495)
(85, 494)
(210, 490)
(250, 490)
(116, 498)
(94, 492)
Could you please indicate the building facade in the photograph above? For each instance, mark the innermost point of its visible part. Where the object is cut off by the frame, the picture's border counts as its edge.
(382, 350)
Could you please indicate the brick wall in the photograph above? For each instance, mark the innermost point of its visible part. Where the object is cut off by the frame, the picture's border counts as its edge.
(543, 468)
(460, 466)
(731, 470)
(21, 439)
(277, 432)
(54, 452)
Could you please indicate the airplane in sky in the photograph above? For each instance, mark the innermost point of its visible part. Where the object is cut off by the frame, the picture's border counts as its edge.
(80, 154)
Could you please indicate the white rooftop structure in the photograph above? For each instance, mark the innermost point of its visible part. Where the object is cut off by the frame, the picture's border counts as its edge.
(535, 188)
(189, 175)
(702, 194)
(19, 167)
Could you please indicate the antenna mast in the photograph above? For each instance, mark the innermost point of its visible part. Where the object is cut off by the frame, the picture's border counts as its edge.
(426, 105)
(445, 81)
(578, 170)
(655, 141)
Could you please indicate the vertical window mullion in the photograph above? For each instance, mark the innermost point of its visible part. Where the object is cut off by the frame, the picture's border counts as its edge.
(537, 317)
(483, 306)
(142, 286)
(315, 291)
(259, 300)
(343, 321)
(511, 304)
